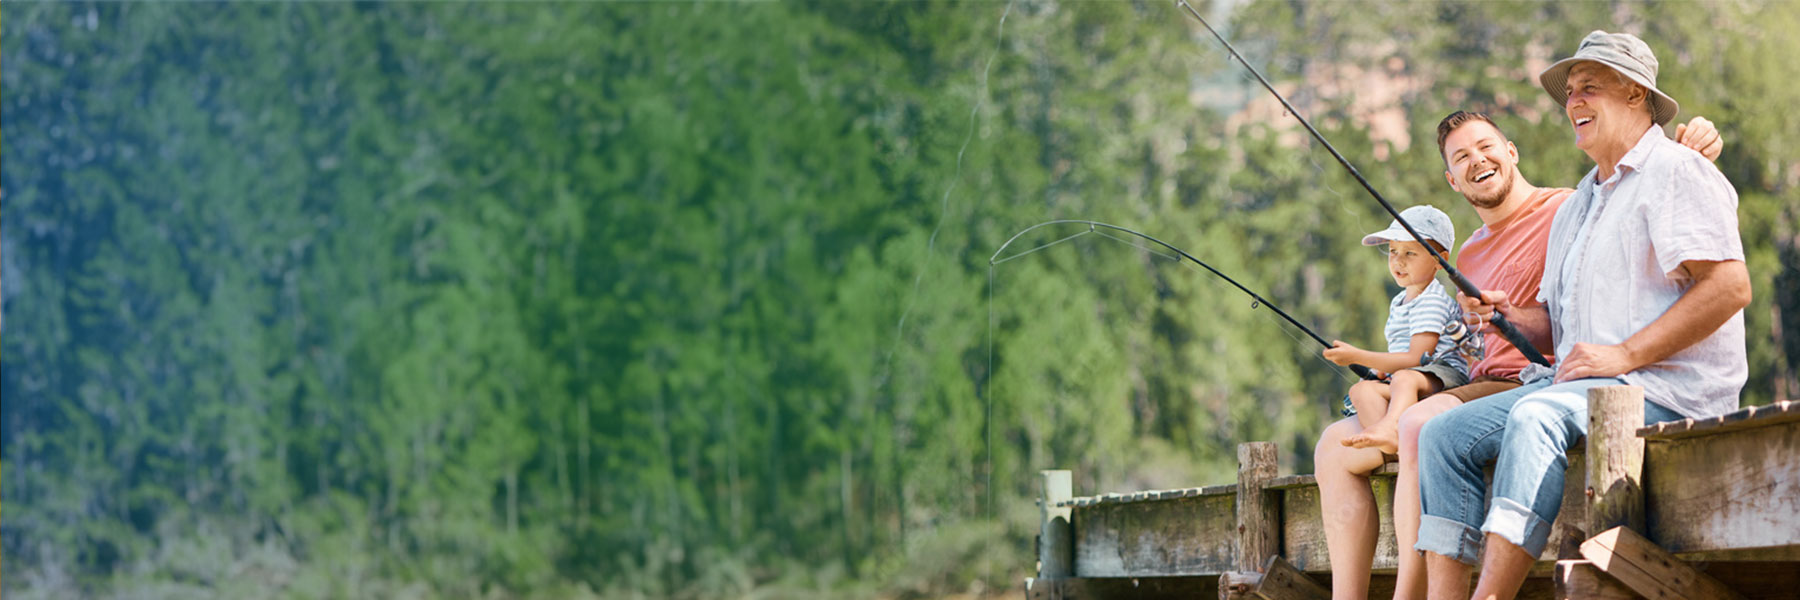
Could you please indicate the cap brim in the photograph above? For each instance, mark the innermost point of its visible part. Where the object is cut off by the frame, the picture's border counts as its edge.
(1555, 81)
(1383, 237)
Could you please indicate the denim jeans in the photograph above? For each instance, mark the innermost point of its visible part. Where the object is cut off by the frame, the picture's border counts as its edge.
(1526, 431)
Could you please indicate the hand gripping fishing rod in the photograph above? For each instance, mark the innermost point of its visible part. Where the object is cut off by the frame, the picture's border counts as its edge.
(1361, 371)
(1462, 283)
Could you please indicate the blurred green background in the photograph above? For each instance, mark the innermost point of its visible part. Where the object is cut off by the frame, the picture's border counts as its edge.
(668, 299)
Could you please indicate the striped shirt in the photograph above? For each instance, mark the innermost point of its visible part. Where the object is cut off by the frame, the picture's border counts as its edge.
(1428, 313)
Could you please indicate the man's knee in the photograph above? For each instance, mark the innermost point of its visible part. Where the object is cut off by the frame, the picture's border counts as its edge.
(1328, 453)
(1434, 440)
(1537, 414)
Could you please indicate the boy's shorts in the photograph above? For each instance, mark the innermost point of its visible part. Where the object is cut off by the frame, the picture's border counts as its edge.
(1451, 377)
(1485, 385)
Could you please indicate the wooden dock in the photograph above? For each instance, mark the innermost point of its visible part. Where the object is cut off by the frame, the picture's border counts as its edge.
(1686, 509)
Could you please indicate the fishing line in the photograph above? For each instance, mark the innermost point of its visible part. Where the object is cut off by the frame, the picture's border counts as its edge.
(1462, 282)
(1094, 226)
(1255, 303)
(944, 205)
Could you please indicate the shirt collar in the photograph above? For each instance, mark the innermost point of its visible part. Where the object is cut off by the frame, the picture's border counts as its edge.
(1639, 153)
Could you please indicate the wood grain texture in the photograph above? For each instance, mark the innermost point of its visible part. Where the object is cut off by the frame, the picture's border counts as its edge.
(1615, 456)
(1726, 492)
(1194, 535)
(1650, 571)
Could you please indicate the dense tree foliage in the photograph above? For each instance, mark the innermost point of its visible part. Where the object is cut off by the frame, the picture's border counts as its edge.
(670, 299)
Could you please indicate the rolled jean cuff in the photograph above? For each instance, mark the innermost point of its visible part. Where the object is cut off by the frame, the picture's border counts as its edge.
(1516, 523)
(1450, 539)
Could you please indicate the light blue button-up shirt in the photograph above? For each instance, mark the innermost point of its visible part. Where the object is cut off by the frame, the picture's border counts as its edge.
(1614, 266)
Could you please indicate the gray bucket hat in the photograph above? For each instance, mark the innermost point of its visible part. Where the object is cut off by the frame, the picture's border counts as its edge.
(1432, 224)
(1623, 52)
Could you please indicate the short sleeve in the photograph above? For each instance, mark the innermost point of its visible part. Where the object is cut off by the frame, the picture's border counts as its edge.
(1696, 220)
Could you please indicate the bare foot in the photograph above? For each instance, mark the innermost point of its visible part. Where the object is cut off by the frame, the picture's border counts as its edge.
(1381, 436)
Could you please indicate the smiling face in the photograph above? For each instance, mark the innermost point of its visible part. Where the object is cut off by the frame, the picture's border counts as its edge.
(1608, 112)
(1411, 266)
(1480, 163)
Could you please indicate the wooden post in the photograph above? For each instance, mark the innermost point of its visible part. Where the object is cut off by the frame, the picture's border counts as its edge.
(1258, 520)
(1056, 542)
(1615, 458)
(1258, 510)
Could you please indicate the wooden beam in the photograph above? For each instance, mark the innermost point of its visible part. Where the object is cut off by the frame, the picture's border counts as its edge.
(1122, 588)
(1281, 581)
(1258, 510)
(1239, 585)
(1615, 458)
(1648, 570)
(1581, 580)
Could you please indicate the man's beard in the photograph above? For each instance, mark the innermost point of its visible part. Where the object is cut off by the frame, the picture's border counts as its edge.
(1493, 200)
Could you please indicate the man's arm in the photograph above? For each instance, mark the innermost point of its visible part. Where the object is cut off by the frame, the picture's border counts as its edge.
(1721, 289)
(1533, 321)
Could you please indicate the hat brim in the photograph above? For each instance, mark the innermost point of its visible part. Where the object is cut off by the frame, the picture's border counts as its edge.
(1555, 81)
(1386, 235)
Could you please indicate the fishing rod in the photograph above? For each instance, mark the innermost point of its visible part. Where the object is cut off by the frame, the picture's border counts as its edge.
(1361, 371)
(1462, 282)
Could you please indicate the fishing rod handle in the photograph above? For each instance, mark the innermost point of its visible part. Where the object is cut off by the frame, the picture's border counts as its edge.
(1366, 373)
(1507, 329)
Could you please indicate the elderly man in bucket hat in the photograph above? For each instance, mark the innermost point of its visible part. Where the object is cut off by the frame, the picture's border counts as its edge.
(1644, 284)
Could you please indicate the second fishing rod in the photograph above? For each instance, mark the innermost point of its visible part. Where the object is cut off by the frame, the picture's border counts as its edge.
(1507, 329)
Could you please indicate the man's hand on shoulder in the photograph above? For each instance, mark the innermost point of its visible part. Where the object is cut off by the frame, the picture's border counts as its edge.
(1702, 136)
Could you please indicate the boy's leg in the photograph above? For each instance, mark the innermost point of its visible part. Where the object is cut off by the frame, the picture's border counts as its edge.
(1407, 387)
(1370, 398)
(1347, 508)
(1409, 580)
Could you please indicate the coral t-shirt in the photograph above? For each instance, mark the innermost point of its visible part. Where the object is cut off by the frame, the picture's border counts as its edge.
(1509, 257)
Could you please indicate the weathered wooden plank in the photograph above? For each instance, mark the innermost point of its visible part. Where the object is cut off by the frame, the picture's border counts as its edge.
(1281, 581)
(1726, 492)
(1615, 456)
(1648, 570)
(1122, 588)
(1194, 535)
(1258, 510)
(1581, 580)
(1148, 496)
(1756, 416)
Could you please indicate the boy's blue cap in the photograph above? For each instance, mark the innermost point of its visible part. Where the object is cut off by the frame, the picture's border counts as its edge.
(1431, 223)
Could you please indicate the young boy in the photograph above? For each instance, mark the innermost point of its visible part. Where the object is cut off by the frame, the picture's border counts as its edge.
(1421, 355)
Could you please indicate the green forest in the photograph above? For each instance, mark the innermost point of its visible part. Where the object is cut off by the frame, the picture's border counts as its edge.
(694, 299)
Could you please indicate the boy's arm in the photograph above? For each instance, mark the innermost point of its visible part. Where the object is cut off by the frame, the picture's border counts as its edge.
(1387, 362)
